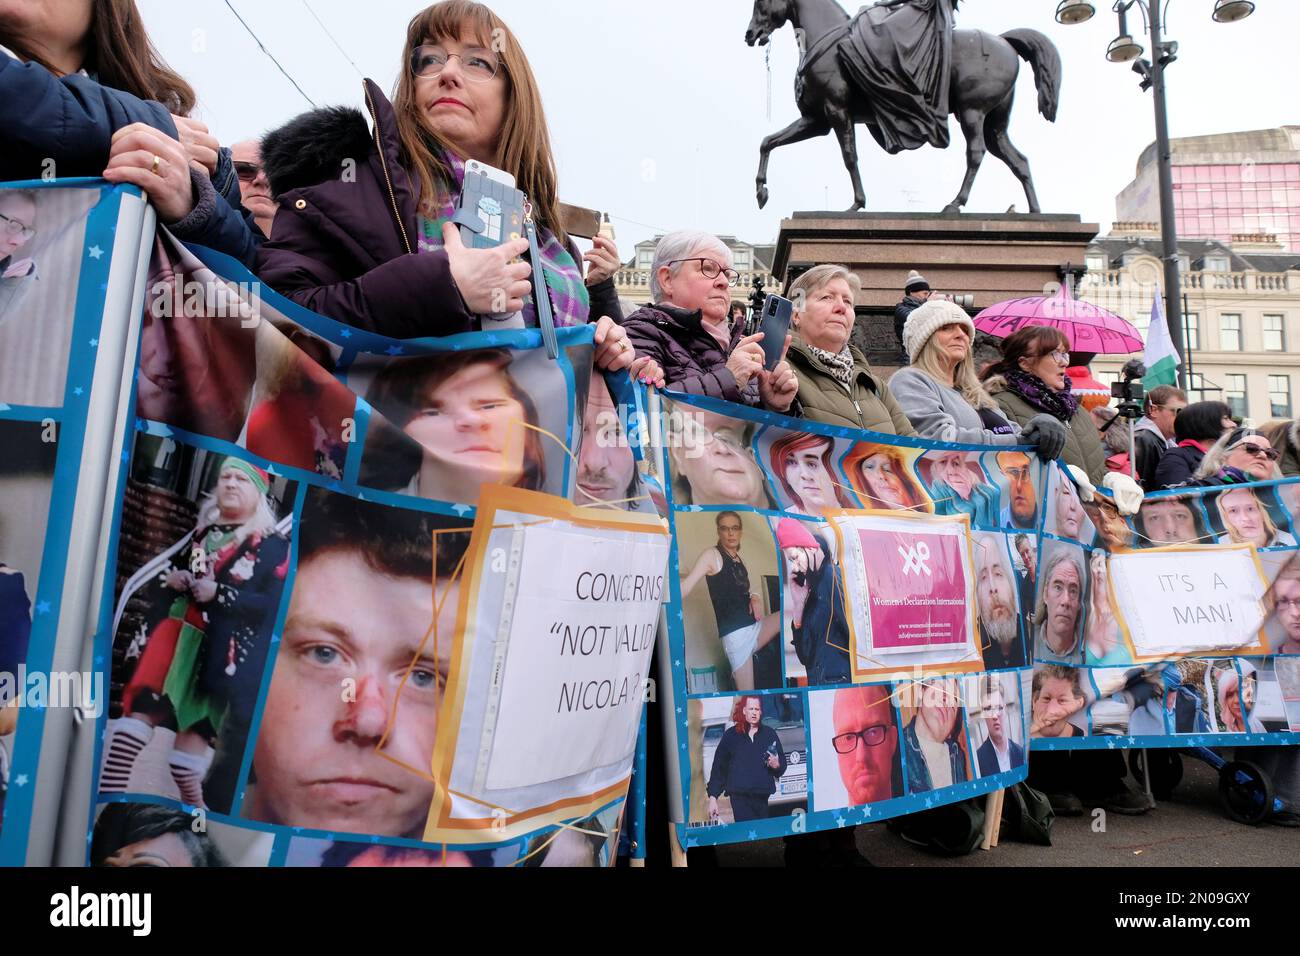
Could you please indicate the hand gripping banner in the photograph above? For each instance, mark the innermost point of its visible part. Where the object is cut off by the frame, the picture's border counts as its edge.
(845, 627)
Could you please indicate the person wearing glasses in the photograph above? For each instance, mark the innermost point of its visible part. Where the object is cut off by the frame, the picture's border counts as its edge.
(364, 232)
(1286, 605)
(83, 92)
(1153, 433)
(1030, 381)
(687, 334)
(866, 744)
(253, 186)
(999, 753)
(17, 229)
(1241, 455)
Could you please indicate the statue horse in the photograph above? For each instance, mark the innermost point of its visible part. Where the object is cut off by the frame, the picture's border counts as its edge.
(982, 89)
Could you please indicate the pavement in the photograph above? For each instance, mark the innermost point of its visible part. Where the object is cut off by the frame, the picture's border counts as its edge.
(1190, 829)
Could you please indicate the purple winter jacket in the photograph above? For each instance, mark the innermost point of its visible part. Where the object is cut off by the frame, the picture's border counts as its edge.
(345, 244)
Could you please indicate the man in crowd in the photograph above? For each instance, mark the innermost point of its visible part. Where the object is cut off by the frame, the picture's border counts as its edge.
(916, 293)
(1153, 435)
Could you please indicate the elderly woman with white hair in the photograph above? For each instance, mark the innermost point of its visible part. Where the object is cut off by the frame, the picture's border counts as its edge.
(942, 395)
(836, 385)
(686, 332)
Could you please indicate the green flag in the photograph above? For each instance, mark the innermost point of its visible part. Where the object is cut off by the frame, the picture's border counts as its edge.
(1161, 358)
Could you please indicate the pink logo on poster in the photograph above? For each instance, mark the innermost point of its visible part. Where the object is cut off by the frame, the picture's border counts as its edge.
(916, 586)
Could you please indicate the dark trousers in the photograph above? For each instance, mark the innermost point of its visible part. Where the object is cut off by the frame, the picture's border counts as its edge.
(222, 782)
(749, 806)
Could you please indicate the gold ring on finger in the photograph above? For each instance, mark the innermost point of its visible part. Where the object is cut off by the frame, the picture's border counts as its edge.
(157, 163)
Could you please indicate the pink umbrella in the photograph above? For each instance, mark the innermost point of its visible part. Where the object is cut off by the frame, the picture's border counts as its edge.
(1089, 328)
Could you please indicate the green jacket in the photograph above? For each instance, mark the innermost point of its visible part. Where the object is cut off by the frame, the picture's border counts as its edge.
(870, 407)
(1083, 446)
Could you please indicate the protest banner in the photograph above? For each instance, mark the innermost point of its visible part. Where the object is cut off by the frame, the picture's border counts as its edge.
(844, 632)
(364, 601)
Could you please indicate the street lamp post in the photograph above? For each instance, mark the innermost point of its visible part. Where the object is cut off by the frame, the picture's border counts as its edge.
(1124, 49)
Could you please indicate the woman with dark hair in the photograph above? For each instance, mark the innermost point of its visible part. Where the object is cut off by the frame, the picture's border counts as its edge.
(142, 834)
(802, 464)
(471, 423)
(1030, 381)
(379, 250)
(747, 763)
(1196, 429)
(82, 86)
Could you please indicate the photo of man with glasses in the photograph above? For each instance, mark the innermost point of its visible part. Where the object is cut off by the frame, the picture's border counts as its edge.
(1021, 511)
(863, 735)
(1286, 606)
(998, 713)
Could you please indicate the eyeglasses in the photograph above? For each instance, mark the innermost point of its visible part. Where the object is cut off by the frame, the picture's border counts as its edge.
(1062, 357)
(480, 65)
(247, 172)
(1238, 439)
(1259, 451)
(15, 227)
(872, 737)
(711, 269)
(1289, 604)
(1176, 409)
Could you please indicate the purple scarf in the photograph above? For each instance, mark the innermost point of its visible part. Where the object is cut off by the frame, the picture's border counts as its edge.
(1059, 404)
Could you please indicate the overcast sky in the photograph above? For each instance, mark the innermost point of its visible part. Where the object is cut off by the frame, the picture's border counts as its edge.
(657, 107)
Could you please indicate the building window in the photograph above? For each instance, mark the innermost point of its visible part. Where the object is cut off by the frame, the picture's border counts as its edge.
(741, 261)
(1192, 329)
(1229, 333)
(1279, 395)
(1098, 263)
(1197, 389)
(1274, 334)
(1216, 264)
(1234, 393)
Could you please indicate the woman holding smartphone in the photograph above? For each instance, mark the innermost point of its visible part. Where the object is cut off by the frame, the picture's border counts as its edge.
(363, 232)
(747, 763)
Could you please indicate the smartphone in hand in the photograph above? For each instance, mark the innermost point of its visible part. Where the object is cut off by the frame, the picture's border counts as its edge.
(775, 326)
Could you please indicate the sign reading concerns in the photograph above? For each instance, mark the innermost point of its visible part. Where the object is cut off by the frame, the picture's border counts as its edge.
(587, 608)
(1186, 601)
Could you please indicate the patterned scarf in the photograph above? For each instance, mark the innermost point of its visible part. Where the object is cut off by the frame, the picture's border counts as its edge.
(1059, 404)
(840, 363)
(569, 299)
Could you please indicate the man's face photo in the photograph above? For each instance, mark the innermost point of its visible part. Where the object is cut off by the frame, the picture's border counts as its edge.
(994, 590)
(349, 642)
(1286, 604)
(1020, 488)
(730, 531)
(940, 707)
(1028, 556)
(995, 718)
(1069, 510)
(866, 742)
(715, 460)
(1168, 521)
(606, 464)
(1063, 596)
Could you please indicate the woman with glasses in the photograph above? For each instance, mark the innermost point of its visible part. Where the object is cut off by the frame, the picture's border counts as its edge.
(687, 333)
(17, 229)
(254, 189)
(364, 231)
(1030, 381)
(1240, 456)
(83, 92)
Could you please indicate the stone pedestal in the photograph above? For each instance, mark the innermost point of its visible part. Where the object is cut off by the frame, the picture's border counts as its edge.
(991, 258)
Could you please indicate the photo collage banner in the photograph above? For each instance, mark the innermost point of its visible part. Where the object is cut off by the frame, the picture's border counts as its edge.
(366, 602)
(1176, 627)
(846, 630)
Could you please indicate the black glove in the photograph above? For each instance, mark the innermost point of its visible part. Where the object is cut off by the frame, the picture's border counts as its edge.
(1048, 434)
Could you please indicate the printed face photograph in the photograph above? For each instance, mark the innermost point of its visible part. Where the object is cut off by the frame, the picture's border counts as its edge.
(42, 244)
(128, 835)
(1066, 516)
(1021, 497)
(864, 738)
(995, 592)
(1058, 702)
(958, 485)
(446, 425)
(606, 465)
(312, 852)
(883, 478)
(996, 724)
(1113, 531)
(803, 466)
(1284, 624)
(346, 737)
(712, 460)
(1163, 522)
(1062, 590)
(934, 734)
(1250, 516)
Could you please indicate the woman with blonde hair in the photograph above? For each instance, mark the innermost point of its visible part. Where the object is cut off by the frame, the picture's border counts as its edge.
(880, 476)
(376, 247)
(941, 395)
(1246, 521)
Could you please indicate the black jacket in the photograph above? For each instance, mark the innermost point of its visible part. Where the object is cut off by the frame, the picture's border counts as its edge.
(821, 641)
(901, 313)
(740, 764)
(1150, 450)
(1177, 467)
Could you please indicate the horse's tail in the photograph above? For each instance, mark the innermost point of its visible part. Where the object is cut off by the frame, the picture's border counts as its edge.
(1041, 54)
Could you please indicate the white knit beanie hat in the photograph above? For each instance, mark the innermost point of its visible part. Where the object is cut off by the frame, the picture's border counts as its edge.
(929, 319)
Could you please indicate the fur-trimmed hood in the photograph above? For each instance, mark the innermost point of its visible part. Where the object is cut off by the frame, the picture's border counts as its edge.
(312, 147)
(995, 384)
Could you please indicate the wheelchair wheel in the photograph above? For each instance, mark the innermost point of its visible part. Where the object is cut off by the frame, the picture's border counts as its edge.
(1245, 792)
(1166, 771)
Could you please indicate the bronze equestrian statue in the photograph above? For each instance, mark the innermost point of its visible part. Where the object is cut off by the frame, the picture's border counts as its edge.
(900, 68)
